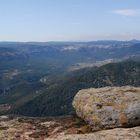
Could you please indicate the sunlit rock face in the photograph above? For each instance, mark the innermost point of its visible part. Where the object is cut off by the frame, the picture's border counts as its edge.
(113, 134)
(62, 128)
(109, 107)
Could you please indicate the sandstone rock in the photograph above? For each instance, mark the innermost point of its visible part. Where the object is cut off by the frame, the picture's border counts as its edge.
(109, 107)
(29, 128)
(113, 134)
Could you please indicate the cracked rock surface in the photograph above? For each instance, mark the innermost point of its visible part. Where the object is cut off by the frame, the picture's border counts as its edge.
(64, 128)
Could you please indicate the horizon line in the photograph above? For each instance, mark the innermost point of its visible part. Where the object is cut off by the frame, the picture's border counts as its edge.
(15, 41)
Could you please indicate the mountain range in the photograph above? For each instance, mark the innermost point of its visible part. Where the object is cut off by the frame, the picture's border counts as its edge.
(41, 78)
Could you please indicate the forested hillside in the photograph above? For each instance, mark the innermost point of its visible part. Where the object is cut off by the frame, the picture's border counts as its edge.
(41, 78)
(57, 98)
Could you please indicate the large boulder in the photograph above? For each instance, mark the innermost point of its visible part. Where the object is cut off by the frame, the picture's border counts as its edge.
(109, 107)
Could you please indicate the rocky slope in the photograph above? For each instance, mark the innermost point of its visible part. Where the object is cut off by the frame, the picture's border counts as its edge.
(102, 108)
(64, 128)
(114, 134)
(25, 128)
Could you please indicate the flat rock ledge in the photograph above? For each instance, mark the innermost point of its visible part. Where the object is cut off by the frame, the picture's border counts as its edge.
(109, 107)
(63, 128)
(113, 134)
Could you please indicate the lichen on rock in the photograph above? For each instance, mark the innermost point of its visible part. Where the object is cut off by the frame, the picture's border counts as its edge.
(109, 107)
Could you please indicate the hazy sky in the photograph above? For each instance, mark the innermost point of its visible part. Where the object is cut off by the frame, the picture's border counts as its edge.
(71, 20)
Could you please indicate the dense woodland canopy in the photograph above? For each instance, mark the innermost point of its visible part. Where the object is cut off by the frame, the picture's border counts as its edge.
(57, 98)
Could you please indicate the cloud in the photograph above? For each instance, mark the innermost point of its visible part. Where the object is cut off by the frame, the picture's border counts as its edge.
(127, 12)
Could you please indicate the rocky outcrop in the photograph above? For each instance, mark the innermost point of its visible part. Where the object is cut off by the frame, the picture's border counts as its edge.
(109, 107)
(113, 134)
(102, 108)
(62, 128)
(27, 128)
